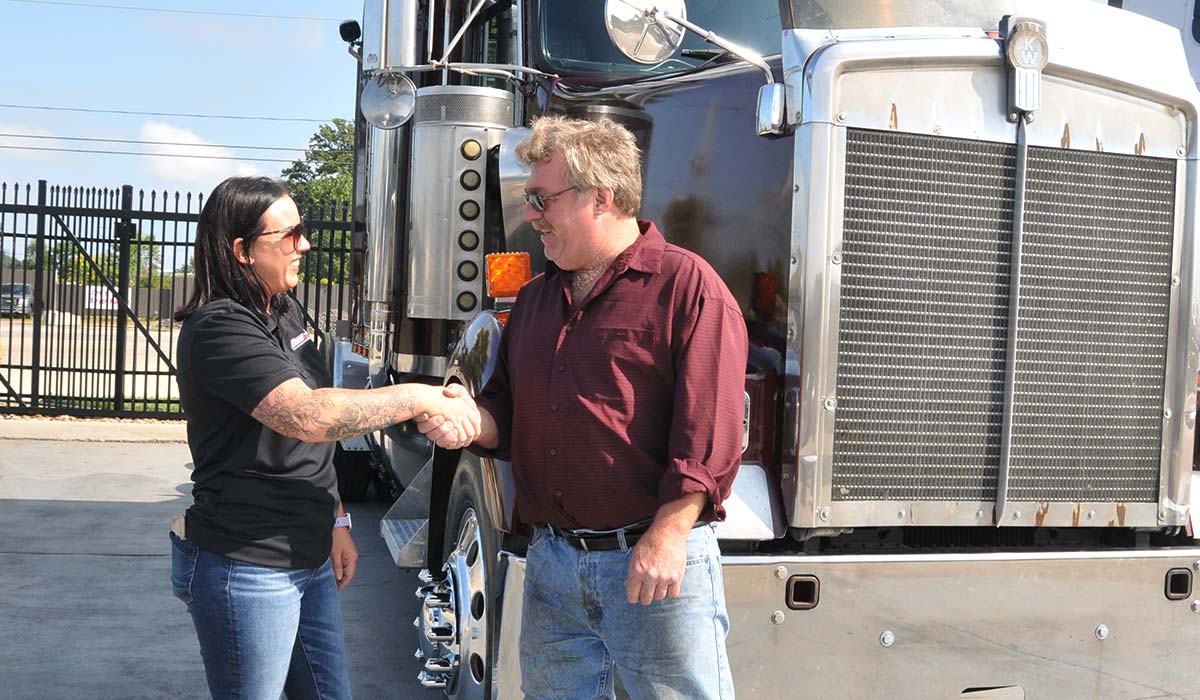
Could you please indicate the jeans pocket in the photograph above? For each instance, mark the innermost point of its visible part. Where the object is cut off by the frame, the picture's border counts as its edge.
(183, 567)
(536, 538)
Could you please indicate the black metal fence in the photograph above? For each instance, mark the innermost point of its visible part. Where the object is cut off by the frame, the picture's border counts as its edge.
(89, 278)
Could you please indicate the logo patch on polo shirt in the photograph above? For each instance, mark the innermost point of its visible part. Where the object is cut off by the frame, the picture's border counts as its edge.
(301, 339)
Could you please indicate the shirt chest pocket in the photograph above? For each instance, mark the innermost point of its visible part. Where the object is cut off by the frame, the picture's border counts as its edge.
(619, 337)
(619, 360)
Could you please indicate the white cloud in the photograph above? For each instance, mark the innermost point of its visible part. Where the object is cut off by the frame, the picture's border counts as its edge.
(183, 168)
(27, 146)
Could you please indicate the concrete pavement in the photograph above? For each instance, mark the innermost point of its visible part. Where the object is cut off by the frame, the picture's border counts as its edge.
(86, 609)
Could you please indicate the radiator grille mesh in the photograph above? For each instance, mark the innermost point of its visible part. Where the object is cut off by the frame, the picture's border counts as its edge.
(923, 330)
(1091, 345)
(925, 261)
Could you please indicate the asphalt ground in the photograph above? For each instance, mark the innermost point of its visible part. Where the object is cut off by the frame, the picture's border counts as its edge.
(86, 609)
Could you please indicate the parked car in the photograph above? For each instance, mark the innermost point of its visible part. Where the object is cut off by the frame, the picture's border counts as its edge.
(16, 299)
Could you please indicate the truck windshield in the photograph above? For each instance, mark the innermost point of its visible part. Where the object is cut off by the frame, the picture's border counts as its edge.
(575, 42)
(15, 289)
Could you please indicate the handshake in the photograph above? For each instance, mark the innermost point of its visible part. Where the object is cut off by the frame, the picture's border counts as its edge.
(449, 417)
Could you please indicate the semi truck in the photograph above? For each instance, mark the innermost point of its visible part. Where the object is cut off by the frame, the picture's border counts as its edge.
(962, 234)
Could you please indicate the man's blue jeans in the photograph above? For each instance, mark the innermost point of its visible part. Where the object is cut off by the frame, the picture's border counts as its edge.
(263, 631)
(577, 624)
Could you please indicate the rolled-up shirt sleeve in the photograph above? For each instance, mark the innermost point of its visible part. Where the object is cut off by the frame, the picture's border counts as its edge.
(705, 443)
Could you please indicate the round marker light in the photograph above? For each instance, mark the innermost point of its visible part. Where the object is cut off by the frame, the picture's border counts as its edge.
(470, 179)
(469, 210)
(466, 301)
(468, 271)
(468, 240)
(471, 149)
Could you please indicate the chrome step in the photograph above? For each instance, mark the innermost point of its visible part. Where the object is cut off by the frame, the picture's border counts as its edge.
(432, 681)
(405, 527)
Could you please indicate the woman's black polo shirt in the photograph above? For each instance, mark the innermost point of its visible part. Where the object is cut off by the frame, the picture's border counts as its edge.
(259, 496)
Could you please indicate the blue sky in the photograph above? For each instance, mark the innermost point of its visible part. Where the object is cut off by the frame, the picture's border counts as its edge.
(67, 55)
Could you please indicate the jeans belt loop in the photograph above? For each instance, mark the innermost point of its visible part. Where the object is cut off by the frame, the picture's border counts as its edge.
(621, 540)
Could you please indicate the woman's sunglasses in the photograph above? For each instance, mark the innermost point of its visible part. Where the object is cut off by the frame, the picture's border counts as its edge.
(294, 232)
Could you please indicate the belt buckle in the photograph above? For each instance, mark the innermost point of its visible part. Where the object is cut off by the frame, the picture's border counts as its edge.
(583, 544)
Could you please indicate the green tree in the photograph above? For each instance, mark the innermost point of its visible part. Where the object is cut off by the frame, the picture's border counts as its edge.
(145, 263)
(65, 260)
(326, 171)
(322, 183)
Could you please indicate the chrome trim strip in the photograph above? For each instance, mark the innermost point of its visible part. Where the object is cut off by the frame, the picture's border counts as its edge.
(427, 365)
(1014, 322)
(1178, 435)
(764, 561)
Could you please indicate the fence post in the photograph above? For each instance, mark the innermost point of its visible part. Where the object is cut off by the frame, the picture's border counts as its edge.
(39, 290)
(124, 230)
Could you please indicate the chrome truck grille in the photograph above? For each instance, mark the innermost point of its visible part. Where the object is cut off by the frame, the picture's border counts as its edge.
(924, 319)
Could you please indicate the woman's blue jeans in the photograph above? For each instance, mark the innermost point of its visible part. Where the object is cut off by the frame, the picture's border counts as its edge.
(577, 624)
(263, 631)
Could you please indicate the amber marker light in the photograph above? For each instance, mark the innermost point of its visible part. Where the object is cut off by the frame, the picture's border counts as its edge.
(506, 272)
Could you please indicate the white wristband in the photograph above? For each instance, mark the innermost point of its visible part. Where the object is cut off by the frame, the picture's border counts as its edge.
(343, 521)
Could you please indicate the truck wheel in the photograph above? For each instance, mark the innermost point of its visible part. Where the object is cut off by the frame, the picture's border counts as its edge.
(457, 617)
(353, 473)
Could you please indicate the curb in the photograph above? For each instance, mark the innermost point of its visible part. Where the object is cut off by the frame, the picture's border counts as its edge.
(67, 429)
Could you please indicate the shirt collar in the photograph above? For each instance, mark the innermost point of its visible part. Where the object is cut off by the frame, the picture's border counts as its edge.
(645, 255)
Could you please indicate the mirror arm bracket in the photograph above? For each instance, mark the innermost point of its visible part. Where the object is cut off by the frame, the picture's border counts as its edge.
(751, 57)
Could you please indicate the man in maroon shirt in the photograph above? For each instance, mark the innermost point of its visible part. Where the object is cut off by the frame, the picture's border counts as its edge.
(618, 396)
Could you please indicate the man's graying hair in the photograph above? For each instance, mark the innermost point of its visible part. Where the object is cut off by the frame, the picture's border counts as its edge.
(597, 154)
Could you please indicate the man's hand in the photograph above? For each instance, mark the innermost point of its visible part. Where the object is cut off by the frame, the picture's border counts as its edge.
(659, 559)
(656, 567)
(344, 555)
(451, 420)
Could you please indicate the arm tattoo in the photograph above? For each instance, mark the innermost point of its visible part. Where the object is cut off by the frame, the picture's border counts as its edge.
(369, 413)
(318, 415)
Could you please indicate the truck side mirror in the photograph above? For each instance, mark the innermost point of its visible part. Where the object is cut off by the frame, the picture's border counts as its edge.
(640, 28)
(771, 115)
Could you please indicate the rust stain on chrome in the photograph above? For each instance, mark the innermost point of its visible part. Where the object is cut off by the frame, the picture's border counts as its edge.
(1066, 137)
(894, 119)
(1140, 148)
(1040, 516)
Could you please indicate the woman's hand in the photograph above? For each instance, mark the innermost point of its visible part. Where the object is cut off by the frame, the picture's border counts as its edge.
(344, 555)
(451, 418)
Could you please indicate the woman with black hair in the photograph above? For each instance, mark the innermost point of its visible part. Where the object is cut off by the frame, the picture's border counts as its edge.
(260, 555)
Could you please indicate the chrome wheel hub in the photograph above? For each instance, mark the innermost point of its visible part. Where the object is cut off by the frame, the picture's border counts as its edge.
(452, 626)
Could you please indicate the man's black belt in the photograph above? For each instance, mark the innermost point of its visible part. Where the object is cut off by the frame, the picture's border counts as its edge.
(603, 540)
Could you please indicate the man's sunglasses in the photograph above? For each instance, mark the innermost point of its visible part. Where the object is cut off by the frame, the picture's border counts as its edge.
(540, 201)
(294, 232)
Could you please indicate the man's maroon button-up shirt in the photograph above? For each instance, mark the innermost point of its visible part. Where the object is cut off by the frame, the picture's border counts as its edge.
(628, 402)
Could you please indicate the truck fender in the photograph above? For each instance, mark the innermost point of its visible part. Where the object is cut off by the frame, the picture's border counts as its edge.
(471, 364)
